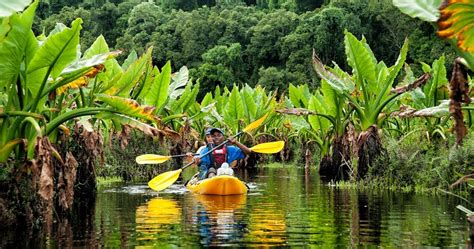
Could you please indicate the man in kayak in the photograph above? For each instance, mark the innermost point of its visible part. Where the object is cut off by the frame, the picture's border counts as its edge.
(209, 164)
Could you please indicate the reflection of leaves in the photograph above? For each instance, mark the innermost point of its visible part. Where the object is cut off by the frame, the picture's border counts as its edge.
(456, 23)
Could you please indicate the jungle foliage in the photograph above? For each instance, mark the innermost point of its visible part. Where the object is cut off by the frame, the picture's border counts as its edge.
(253, 42)
(62, 101)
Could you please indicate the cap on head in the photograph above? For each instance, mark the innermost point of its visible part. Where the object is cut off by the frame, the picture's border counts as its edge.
(208, 131)
(216, 130)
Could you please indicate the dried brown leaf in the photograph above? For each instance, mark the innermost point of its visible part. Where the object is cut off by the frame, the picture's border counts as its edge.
(296, 111)
(124, 136)
(66, 180)
(171, 134)
(462, 180)
(404, 112)
(43, 158)
(459, 93)
(417, 83)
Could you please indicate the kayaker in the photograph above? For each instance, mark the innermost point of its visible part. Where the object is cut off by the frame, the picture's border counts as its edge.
(209, 164)
(209, 141)
(208, 144)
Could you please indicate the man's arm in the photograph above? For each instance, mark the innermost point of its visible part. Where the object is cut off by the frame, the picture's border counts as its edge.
(204, 161)
(244, 148)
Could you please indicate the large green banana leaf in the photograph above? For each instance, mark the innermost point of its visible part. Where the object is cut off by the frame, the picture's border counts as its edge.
(20, 43)
(100, 46)
(158, 92)
(131, 77)
(361, 62)
(250, 106)
(234, 110)
(7, 8)
(59, 50)
(426, 10)
(178, 81)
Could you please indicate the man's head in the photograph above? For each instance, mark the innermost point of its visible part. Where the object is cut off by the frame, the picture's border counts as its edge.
(217, 135)
(208, 135)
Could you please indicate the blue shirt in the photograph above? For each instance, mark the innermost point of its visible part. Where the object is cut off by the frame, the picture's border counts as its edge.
(233, 153)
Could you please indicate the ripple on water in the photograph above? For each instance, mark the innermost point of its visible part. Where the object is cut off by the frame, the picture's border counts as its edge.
(145, 190)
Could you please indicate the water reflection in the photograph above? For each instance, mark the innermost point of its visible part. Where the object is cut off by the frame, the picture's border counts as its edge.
(285, 208)
(267, 225)
(155, 217)
(218, 219)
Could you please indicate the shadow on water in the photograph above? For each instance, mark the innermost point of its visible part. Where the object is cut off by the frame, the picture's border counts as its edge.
(285, 207)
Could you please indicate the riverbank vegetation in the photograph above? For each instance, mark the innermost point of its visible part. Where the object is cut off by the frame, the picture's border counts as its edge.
(359, 107)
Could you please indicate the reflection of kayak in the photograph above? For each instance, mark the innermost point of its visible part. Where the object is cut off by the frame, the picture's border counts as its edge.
(156, 216)
(218, 185)
(159, 211)
(221, 203)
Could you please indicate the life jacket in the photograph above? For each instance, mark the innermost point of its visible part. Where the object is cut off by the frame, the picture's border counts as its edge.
(219, 156)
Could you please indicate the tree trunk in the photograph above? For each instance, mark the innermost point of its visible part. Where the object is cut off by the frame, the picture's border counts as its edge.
(369, 148)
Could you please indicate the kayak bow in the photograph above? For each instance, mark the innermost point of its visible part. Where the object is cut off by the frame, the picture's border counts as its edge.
(218, 185)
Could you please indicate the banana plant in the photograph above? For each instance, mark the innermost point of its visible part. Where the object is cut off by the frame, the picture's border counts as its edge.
(27, 71)
(454, 22)
(368, 90)
(244, 105)
(428, 96)
(318, 126)
(327, 119)
(47, 84)
(233, 109)
(453, 19)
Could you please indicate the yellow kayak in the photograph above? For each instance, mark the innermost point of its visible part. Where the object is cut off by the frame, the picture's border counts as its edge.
(218, 185)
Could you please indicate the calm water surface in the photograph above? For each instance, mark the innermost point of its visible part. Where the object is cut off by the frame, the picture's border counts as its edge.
(283, 208)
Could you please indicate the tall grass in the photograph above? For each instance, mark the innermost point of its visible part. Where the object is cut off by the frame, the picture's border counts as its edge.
(419, 163)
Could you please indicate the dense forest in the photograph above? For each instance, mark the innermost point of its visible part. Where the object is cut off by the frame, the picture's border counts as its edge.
(248, 42)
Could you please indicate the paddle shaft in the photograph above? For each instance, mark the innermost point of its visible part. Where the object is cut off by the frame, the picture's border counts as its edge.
(182, 155)
(211, 150)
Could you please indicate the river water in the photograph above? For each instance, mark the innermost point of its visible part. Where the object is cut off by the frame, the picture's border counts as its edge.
(284, 207)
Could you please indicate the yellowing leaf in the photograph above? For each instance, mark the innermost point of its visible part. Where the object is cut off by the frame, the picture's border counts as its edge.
(82, 81)
(128, 107)
(456, 22)
(112, 90)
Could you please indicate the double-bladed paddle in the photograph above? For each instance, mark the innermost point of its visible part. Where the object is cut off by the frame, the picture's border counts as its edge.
(156, 159)
(265, 148)
(165, 179)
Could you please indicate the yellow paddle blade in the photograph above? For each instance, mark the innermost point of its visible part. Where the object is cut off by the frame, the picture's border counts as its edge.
(269, 148)
(255, 124)
(164, 180)
(151, 159)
